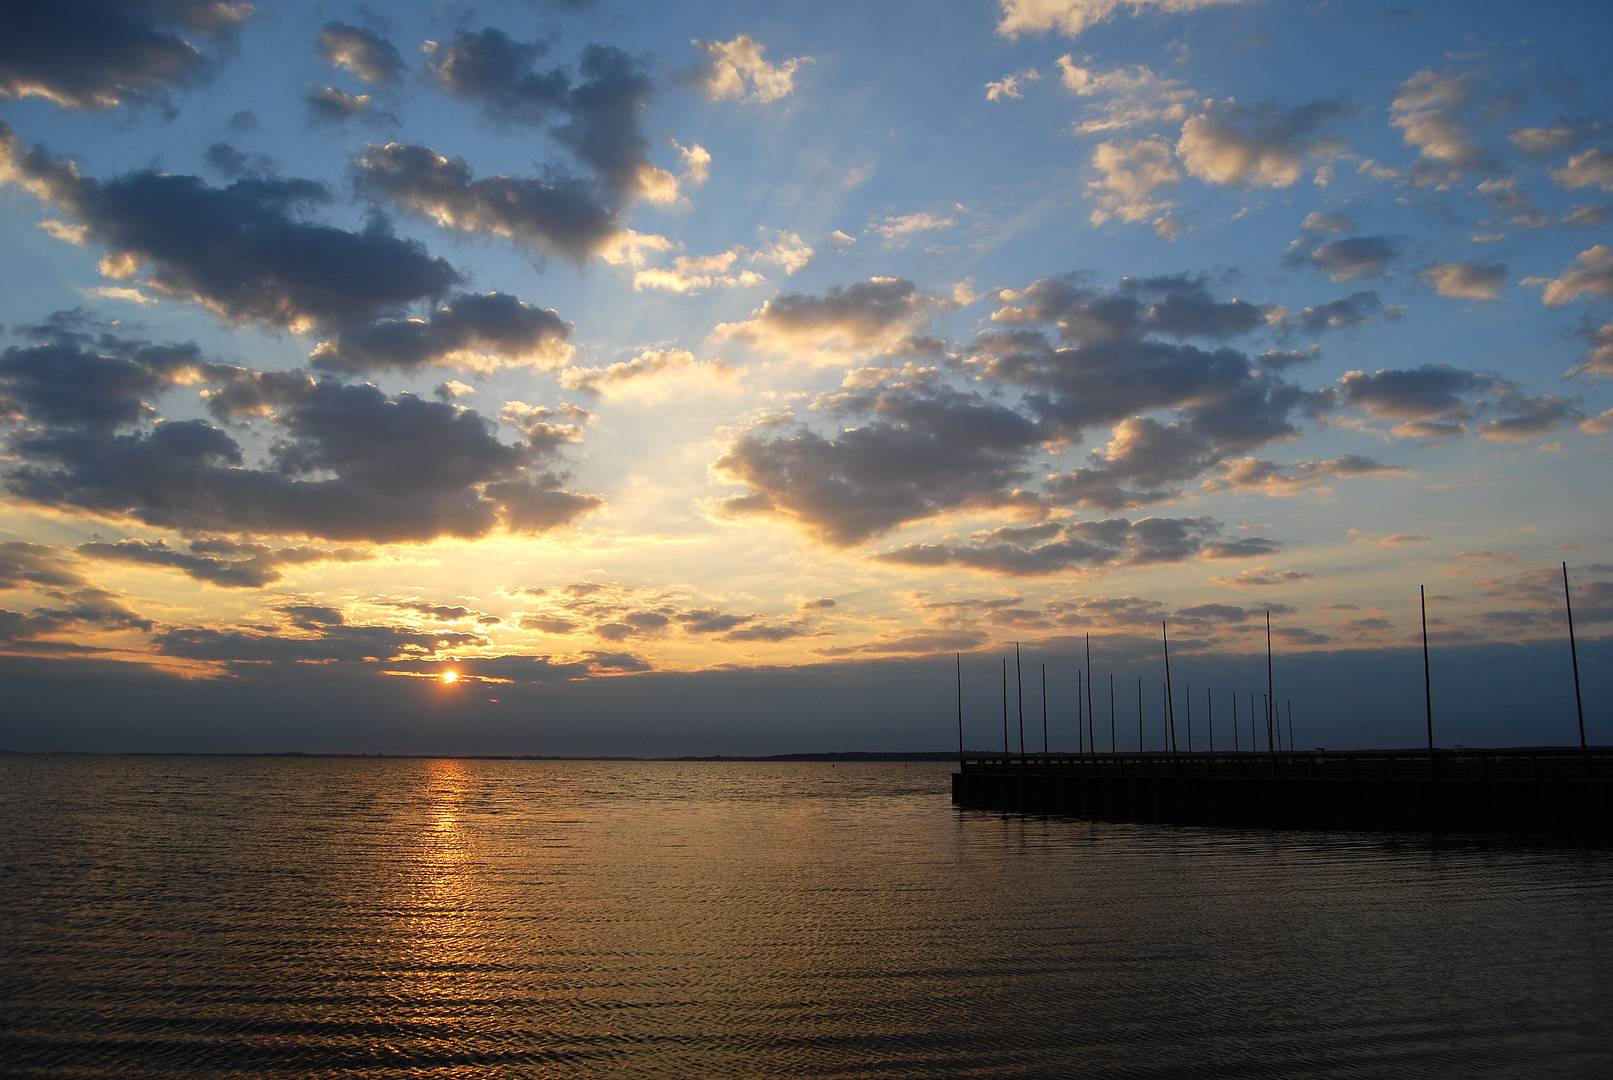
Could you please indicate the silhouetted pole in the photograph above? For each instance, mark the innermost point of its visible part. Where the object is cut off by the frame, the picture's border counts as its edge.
(1291, 745)
(1140, 714)
(958, 659)
(1044, 710)
(1079, 721)
(1271, 690)
(1254, 741)
(1573, 651)
(1428, 687)
(1092, 736)
(1019, 690)
(1170, 705)
(1005, 707)
(1236, 748)
(1166, 736)
(1114, 745)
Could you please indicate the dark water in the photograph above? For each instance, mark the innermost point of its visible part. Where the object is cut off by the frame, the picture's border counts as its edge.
(172, 916)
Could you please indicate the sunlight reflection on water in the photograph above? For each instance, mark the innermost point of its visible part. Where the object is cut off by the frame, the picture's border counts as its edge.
(275, 916)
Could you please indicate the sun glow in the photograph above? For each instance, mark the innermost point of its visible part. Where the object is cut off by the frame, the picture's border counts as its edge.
(449, 678)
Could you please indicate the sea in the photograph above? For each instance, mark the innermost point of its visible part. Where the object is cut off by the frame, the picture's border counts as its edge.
(289, 916)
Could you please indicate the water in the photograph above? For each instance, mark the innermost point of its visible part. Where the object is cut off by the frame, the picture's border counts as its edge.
(272, 916)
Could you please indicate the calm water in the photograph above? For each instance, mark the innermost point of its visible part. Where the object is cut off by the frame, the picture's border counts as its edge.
(170, 916)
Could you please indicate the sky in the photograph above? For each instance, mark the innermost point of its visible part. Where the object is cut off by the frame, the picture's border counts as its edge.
(596, 377)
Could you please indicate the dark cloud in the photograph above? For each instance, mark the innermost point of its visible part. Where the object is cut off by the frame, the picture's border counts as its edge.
(36, 566)
(1259, 474)
(1432, 391)
(330, 642)
(1178, 305)
(500, 74)
(1357, 309)
(243, 251)
(71, 376)
(362, 53)
(553, 213)
(1213, 613)
(328, 105)
(1349, 259)
(442, 612)
(350, 463)
(919, 455)
(225, 563)
(1052, 547)
(97, 54)
(478, 329)
(880, 313)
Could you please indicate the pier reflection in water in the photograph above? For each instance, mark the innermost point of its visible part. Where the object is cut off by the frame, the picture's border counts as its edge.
(173, 916)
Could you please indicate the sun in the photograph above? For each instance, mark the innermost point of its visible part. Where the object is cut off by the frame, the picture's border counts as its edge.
(449, 677)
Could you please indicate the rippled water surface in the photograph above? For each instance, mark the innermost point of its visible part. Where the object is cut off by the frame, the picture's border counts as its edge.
(264, 916)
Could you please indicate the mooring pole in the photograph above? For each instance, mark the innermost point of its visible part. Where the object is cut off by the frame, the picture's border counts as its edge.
(1271, 690)
(1189, 718)
(1092, 735)
(1428, 688)
(1044, 710)
(1080, 725)
(1170, 705)
(1114, 745)
(1005, 710)
(1573, 651)
(958, 659)
(1291, 744)
(1019, 690)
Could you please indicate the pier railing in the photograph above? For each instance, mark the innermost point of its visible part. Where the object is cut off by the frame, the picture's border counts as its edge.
(1511, 763)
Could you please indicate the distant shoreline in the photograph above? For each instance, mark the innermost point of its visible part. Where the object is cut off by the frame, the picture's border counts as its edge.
(830, 756)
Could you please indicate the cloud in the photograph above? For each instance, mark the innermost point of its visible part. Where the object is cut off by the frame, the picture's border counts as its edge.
(1123, 97)
(498, 73)
(1053, 547)
(1591, 275)
(1262, 577)
(1009, 87)
(1262, 145)
(342, 642)
(217, 561)
(1318, 222)
(328, 105)
(651, 372)
(361, 53)
(1427, 392)
(1071, 17)
(697, 273)
(1465, 281)
(25, 565)
(482, 331)
(1427, 110)
(552, 214)
(1270, 478)
(98, 54)
(738, 70)
(897, 227)
(872, 315)
(922, 453)
(346, 463)
(70, 377)
(244, 251)
(1599, 360)
(1348, 259)
(1128, 175)
(1357, 309)
(1593, 168)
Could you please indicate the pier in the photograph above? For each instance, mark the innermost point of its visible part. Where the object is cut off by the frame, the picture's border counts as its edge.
(1563, 792)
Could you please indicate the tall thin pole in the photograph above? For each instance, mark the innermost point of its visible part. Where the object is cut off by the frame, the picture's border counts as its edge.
(1005, 710)
(1271, 690)
(1092, 737)
(1428, 688)
(1167, 739)
(1573, 651)
(1291, 746)
(1170, 705)
(958, 659)
(1189, 718)
(1114, 745)
(1019, 689)
(1139, 714)
(1044, 710)
(1080, 725)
